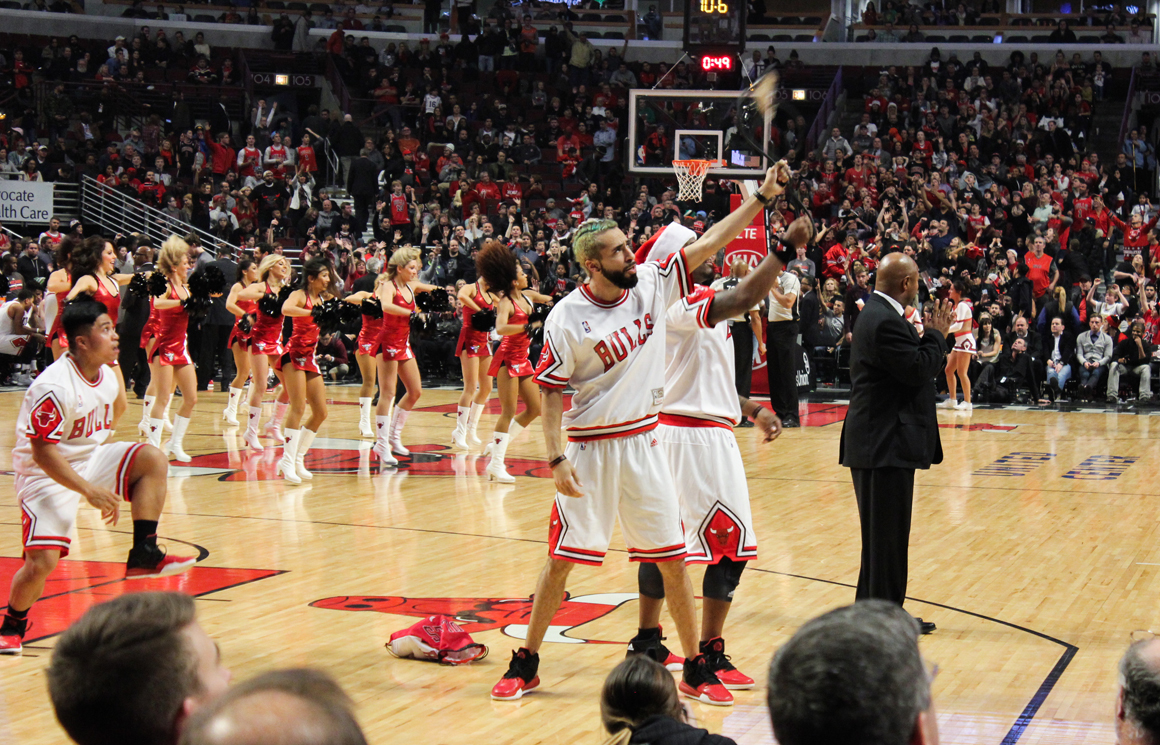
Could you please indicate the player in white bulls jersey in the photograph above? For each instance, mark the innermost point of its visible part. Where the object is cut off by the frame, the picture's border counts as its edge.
(61, 455)
(701, 409)
(607, 340)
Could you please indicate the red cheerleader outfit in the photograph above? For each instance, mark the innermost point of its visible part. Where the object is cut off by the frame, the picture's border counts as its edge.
(513, 350)
(368, 336)
(471, 341)
(303, 343)
(57, 331)
(111, 302)
(266, 337)
(172, 344)
(395, 337)
(150, 329)
(237, 336)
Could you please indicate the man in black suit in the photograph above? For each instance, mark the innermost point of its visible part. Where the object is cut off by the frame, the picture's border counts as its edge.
(215, 332)
(891, 427)
(1058, 352)
(363, 185)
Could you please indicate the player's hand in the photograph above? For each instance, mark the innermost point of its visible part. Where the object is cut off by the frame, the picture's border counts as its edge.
(941, 317)
(800, 231)
(776, 179)
(566, 481)
(768, 423)
(106, 501)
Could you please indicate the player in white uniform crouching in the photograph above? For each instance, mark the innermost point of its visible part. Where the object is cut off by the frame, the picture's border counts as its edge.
(701, 409)
(61, 455)
(607, 340)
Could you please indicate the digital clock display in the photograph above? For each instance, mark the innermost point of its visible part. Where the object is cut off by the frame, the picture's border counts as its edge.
(717, 27)
(717, 62)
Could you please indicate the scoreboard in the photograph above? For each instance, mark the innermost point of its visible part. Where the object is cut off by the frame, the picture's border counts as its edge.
(715, 29)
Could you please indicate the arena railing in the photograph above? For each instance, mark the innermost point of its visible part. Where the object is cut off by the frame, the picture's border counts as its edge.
(822, 120)
(120, 213)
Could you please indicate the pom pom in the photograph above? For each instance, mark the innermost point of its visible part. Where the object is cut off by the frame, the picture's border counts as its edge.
(197, 306)
(246, 323)
(327, 315)
(371, 308)
(209, 281)
(435, 301)
(158, 284)
(539, 313)
(270, 304)
(483, 320)
(351, 315)
(139, 286)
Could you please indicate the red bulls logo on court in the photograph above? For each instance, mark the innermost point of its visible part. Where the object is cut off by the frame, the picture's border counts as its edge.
(342, 456)
(510, 615)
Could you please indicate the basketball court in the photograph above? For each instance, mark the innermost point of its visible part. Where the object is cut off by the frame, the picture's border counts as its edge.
(1034, 549)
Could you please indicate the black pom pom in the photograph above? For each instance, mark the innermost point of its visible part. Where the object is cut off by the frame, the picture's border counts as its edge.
(215, 280)
(246, 323)
(270, 304)
(197, 306)
(158, 284)
(139, 286)
(435, 301)
(539, 313)
(483, 320)
(327, 315)
(371, 307)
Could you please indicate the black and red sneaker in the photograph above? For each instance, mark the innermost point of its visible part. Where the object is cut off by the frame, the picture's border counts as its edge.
(150, 561)
(730, 677)
(701, 683)
(520, 678)
(650, 643)
(12, 636)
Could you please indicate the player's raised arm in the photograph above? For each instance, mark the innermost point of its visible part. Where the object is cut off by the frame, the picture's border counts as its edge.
(728, 228)
(756, 285)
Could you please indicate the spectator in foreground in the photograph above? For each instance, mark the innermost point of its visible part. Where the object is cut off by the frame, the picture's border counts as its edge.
(1138, 702)
(853, 676)
(640, 704)
(133, 670)
(289, 707)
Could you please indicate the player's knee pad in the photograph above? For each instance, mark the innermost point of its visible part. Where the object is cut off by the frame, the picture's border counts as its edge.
(650, 582)
(721, 579)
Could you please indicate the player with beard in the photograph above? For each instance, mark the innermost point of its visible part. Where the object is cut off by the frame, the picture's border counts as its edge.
(600, 340)
(700, 410)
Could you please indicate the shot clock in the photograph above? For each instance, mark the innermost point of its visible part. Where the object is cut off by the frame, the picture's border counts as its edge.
(715, 32)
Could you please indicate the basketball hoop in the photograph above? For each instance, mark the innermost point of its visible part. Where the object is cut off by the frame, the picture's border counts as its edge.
(691, 175)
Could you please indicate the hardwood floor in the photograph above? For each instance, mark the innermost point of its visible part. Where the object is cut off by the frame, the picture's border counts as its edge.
(1034, 549)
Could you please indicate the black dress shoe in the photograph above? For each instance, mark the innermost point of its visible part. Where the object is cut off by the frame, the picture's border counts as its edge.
(790, 423)
(744, 423)
(925, 627)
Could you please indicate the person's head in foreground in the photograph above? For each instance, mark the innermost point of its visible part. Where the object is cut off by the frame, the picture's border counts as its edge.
(640, 704)
(1138, 704)
(133, 670)
(853, 676)
(287, 707)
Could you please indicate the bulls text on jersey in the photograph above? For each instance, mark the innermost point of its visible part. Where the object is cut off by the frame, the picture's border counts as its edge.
(616, 346)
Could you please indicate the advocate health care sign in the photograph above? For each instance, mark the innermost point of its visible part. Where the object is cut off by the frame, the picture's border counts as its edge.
(25, 201)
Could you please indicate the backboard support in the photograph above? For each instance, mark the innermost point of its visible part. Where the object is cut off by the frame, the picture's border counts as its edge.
(698, 124)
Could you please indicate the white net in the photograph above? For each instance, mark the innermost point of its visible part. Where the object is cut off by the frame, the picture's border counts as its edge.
(691, 176)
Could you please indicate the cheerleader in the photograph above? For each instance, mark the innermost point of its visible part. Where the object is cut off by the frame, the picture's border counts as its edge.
(960, 357)
(475, 359)
(57, 288)
(171, 349)
(266, 348)
(510, 365)
(302, 379)
(239, 341)
(365, 354)
(396, 288)
(94, 265)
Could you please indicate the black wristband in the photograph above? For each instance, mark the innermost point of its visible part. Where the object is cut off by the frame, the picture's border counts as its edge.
(762, 198)
(557, 461)
(784, 253)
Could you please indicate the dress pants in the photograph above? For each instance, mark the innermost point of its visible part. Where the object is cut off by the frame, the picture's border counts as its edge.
(781, 368)
(885, 496)
(742, 355)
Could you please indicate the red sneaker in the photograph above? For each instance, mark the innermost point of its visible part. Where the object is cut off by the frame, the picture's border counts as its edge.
(11, 644)
(649, 642)
(730, 677)
(702, 684)
(150, 561)
(520, 678)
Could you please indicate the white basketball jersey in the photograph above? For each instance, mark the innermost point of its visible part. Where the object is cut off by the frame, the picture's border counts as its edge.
(64, 408)
(699, 366)
(610, 353)
(8, 325)
(963, 319)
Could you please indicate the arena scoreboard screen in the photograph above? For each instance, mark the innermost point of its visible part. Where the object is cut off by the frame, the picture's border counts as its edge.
(715, 29)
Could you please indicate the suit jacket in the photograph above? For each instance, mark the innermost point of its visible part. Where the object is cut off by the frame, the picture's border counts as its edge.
(364, 178)
(891, 421)
(218, 315)
(1066, 348)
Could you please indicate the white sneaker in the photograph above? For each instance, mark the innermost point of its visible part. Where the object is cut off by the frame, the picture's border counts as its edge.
(948, 404)
(963, 406)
